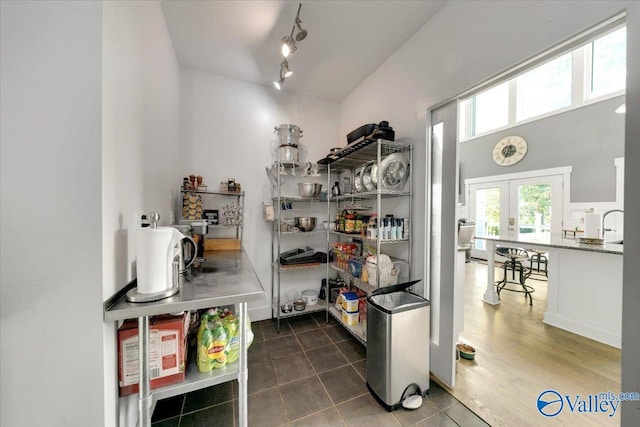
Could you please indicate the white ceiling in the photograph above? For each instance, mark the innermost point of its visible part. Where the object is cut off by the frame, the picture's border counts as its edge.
(346, 42)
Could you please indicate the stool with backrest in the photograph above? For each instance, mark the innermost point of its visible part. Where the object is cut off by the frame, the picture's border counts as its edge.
(539, 257)
(515, 257)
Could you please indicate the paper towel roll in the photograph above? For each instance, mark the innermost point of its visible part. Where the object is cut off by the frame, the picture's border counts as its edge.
(592, 225)
(154, 256)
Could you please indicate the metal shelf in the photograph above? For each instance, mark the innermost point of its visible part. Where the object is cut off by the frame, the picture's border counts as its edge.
(346, 161)
(307, 206)
(321, 306)
(369, 195)
(364, 286)
(365, 239)
(297, 267)
(297, 199)
(215, 193)
(357, 331)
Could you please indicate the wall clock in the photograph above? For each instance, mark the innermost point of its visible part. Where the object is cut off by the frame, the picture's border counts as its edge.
(509, 150)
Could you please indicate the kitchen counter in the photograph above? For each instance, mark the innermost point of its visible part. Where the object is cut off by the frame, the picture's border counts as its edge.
(559, 242)
(584, 286)
(225, 278)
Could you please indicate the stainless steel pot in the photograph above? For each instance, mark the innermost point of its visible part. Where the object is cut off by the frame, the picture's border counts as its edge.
(288, 154)
(288, 134)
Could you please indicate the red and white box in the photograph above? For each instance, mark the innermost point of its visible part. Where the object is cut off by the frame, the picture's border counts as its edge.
(167, 352)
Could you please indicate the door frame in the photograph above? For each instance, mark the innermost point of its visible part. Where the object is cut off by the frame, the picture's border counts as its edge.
(564, 172)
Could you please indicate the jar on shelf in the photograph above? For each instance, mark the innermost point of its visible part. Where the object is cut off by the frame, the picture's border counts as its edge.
(350, 223)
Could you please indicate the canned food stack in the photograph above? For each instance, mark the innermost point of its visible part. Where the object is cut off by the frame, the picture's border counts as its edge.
(350, 308)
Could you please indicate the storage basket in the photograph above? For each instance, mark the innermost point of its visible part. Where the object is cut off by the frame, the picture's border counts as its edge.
(388, 272)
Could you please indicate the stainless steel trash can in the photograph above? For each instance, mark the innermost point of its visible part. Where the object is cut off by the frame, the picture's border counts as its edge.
(397, 344)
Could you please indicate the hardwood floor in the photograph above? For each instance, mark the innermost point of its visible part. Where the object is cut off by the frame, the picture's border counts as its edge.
(518, 357)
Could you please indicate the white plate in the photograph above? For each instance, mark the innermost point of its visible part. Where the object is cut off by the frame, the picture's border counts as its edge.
(374, 175)
(394, 171)
(366, 177)
(357, 181)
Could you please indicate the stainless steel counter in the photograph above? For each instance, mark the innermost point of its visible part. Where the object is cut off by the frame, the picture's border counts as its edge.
(225, 278)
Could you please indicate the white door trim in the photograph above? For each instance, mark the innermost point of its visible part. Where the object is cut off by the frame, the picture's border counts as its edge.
(565, 171)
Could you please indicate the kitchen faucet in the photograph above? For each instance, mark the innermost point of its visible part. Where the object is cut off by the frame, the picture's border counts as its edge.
(604, 215)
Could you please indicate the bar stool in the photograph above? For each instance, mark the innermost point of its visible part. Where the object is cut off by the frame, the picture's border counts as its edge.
(538, 257)
(514, 263)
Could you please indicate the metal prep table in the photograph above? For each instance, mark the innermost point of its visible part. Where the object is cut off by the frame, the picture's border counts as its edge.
(225, 278)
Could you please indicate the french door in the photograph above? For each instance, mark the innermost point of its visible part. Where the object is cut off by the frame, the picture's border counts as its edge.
(526, 209)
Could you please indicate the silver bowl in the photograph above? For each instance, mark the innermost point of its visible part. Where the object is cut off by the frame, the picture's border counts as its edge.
(305, 223)
(299, 305)
(309, 189)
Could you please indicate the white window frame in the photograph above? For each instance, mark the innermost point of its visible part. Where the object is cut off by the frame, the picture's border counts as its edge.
(581, 94)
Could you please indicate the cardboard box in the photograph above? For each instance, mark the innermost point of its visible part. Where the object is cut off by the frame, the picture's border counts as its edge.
(167, 352)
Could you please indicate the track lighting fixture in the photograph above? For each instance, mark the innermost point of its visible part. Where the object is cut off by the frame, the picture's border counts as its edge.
(289, 47)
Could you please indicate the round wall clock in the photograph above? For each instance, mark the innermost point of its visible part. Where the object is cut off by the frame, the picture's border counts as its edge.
(509, 150)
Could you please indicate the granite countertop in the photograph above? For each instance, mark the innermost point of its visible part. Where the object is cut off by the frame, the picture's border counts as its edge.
(557, 241)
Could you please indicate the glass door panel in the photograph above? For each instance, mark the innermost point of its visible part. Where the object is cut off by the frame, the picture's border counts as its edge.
(488, 204)
(535, 208)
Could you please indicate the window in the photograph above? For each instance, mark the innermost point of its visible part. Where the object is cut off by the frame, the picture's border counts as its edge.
(609, 70)
(595, 70)
(492, 109)
(545, 88)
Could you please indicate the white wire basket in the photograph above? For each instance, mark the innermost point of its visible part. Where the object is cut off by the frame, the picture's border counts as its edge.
(388, 271)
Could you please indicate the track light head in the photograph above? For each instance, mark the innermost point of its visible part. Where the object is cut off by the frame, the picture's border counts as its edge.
(288, 46)
(285, 71)
(278, 83)
(302, 33)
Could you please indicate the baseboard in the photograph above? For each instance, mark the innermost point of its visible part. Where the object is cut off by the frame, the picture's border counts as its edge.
(583, 330)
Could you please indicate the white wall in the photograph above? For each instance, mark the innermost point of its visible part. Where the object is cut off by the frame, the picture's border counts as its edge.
(227, 131)
(140, 149)
(51, 346)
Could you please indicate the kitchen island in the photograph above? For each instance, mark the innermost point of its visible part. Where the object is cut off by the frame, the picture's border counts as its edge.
(584, 285)
(224, 278)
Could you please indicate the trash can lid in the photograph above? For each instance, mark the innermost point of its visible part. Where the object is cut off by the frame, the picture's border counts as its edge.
(396, 302)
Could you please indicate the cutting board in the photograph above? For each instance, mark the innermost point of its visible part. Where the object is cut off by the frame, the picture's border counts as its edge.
(221, 244)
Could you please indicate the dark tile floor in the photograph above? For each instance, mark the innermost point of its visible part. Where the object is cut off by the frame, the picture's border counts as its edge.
(310, 374)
